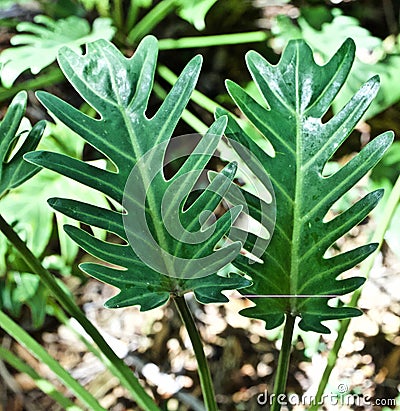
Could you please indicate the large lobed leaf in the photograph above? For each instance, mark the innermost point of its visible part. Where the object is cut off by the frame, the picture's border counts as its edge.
(295, 278)
(119, 89)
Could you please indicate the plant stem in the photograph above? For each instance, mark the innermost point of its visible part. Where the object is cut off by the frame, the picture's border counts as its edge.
(203, 370)
(46, 386)
(110, 359)
(133, 12)
(48, 78)
(210, 105)
(117, 14)
(331, 361)
(387, 215)
(19, 334)
(283, 362)
(150, 20)
(199, 98)
(209, 41)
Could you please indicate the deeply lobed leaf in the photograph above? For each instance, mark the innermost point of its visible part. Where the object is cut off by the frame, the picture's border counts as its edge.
(295, 278)
(119, 89)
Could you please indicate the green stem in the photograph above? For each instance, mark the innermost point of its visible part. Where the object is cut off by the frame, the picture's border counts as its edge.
(110, 359)
(331, 361)
(203, 370)
(210, 41)
(48, 78)
(19, 334)
(56, 311)
(133, 12)
(210, 105)
(117, 14)
(199, 98)
(150, 20)
(387, 215)
(283, 362)
(46, 386)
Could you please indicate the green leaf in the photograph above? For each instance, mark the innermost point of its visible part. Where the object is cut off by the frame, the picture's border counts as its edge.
(195, 11)
(372, 58)
(39, 49)
(296, 277)
(144, 3)
(118, 89)
(33, 218)
(13, 169)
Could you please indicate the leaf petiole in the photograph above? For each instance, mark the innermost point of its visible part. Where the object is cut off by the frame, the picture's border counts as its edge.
(283, 362)
(150, 20)
(203, 369)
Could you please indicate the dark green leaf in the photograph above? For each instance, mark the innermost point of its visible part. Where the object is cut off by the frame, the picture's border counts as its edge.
(296, 277)
(119, 89)
(373, 57)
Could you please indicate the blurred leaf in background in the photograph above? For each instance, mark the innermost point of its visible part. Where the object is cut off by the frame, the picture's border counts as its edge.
(38, 49)
(195, 11)
(20, 289)
(5, 4)
(33, 220)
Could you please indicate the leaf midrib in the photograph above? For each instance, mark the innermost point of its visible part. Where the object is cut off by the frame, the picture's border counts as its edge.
(138, 154)
(294, 267)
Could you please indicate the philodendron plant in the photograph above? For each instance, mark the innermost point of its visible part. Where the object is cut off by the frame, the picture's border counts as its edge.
(152, 264)
(119, 89)
(296, 279)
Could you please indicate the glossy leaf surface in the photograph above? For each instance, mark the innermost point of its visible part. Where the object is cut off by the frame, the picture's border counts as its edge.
(119, 89)
(372, 57)
(296, 276)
